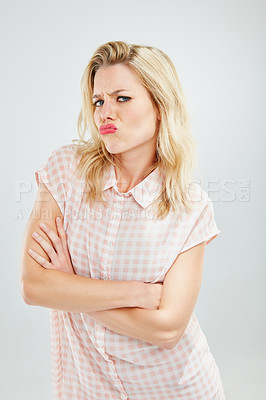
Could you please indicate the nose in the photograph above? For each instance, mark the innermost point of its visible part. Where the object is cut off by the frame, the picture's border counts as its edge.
(108, 110)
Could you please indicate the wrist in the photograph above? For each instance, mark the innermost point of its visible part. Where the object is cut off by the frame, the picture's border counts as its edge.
(138, 294)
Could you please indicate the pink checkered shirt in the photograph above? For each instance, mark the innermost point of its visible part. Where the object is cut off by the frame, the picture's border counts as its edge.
(125, 242)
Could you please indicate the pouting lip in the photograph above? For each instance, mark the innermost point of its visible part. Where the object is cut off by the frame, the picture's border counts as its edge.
(107, 126)
(106, 131)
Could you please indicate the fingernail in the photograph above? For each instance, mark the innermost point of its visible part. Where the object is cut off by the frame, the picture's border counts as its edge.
(58, 219)
(30, 251)
(35, 234)
(43, 225)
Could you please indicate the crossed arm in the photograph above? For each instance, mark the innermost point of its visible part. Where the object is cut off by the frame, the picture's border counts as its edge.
(114, 304)
(179, 295)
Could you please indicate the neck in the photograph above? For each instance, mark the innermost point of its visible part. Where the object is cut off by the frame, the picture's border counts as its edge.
(133, 171)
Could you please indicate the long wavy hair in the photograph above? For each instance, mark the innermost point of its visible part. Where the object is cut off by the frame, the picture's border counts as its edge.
(176, 154)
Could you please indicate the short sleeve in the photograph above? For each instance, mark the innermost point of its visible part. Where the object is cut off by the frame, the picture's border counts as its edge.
(204, 227)
(54, 173)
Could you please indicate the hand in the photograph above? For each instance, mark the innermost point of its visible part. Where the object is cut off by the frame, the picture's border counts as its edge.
(152, 295)
(58, 253)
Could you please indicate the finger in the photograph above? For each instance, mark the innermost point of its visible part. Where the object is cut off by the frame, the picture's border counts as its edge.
(62, 233)
(40, 260)
(60, 228)
(49, 250)
(53, 236)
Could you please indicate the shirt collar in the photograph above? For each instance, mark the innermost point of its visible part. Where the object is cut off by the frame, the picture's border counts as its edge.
(144, 192)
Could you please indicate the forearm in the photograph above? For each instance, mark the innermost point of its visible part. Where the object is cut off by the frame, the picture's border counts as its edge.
(143, 324)
(74, 293)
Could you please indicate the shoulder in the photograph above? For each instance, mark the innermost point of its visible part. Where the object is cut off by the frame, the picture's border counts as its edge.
(62, 159)
(198, 197)
(58, 165)
(199, 224)
(63, 152)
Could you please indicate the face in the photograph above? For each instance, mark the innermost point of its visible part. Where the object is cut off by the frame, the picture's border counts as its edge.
(132, 111)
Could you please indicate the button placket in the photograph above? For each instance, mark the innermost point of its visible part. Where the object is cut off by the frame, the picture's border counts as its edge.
(105, 273)
(113, 227)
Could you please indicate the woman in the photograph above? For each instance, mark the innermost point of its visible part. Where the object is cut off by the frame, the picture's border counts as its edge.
(121, 269)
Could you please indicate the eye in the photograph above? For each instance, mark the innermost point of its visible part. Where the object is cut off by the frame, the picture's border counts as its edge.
(123, 97)
(119, 97)
(95, 104)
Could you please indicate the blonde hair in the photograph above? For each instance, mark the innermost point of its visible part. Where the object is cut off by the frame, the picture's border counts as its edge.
(176, 148)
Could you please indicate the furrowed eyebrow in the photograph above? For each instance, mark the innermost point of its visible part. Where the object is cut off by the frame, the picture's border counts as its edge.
(111, 94)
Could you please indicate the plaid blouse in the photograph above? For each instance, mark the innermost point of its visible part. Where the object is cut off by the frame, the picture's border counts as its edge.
(122, 242)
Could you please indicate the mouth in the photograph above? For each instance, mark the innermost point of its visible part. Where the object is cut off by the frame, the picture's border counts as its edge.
(108, 128)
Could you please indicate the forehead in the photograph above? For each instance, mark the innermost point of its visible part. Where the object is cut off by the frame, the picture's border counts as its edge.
(114, 77)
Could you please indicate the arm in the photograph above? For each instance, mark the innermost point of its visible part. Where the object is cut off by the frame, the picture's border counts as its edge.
(163, 327)
(148, 325)
(181, 289)
(62, 290)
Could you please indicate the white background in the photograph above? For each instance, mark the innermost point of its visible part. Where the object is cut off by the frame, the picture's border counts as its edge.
(217, 48)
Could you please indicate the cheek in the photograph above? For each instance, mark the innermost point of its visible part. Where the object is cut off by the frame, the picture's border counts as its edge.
(95, 117)
(142, 116)
(147, 119)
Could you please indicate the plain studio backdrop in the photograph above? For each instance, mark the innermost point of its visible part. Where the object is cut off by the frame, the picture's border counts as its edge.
(217, 48)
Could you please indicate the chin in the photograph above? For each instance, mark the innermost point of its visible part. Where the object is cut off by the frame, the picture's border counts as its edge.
(113, 149)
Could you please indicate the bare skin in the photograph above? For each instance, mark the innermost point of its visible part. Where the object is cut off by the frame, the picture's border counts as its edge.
(154, 313)
(136, 117)
(47, 274)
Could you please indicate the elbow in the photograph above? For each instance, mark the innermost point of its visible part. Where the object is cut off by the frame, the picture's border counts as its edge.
(168, 345)
(169, 334)
(169, 340)
(26, 292)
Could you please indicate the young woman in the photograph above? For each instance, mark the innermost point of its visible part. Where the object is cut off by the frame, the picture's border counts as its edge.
(121, 270)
